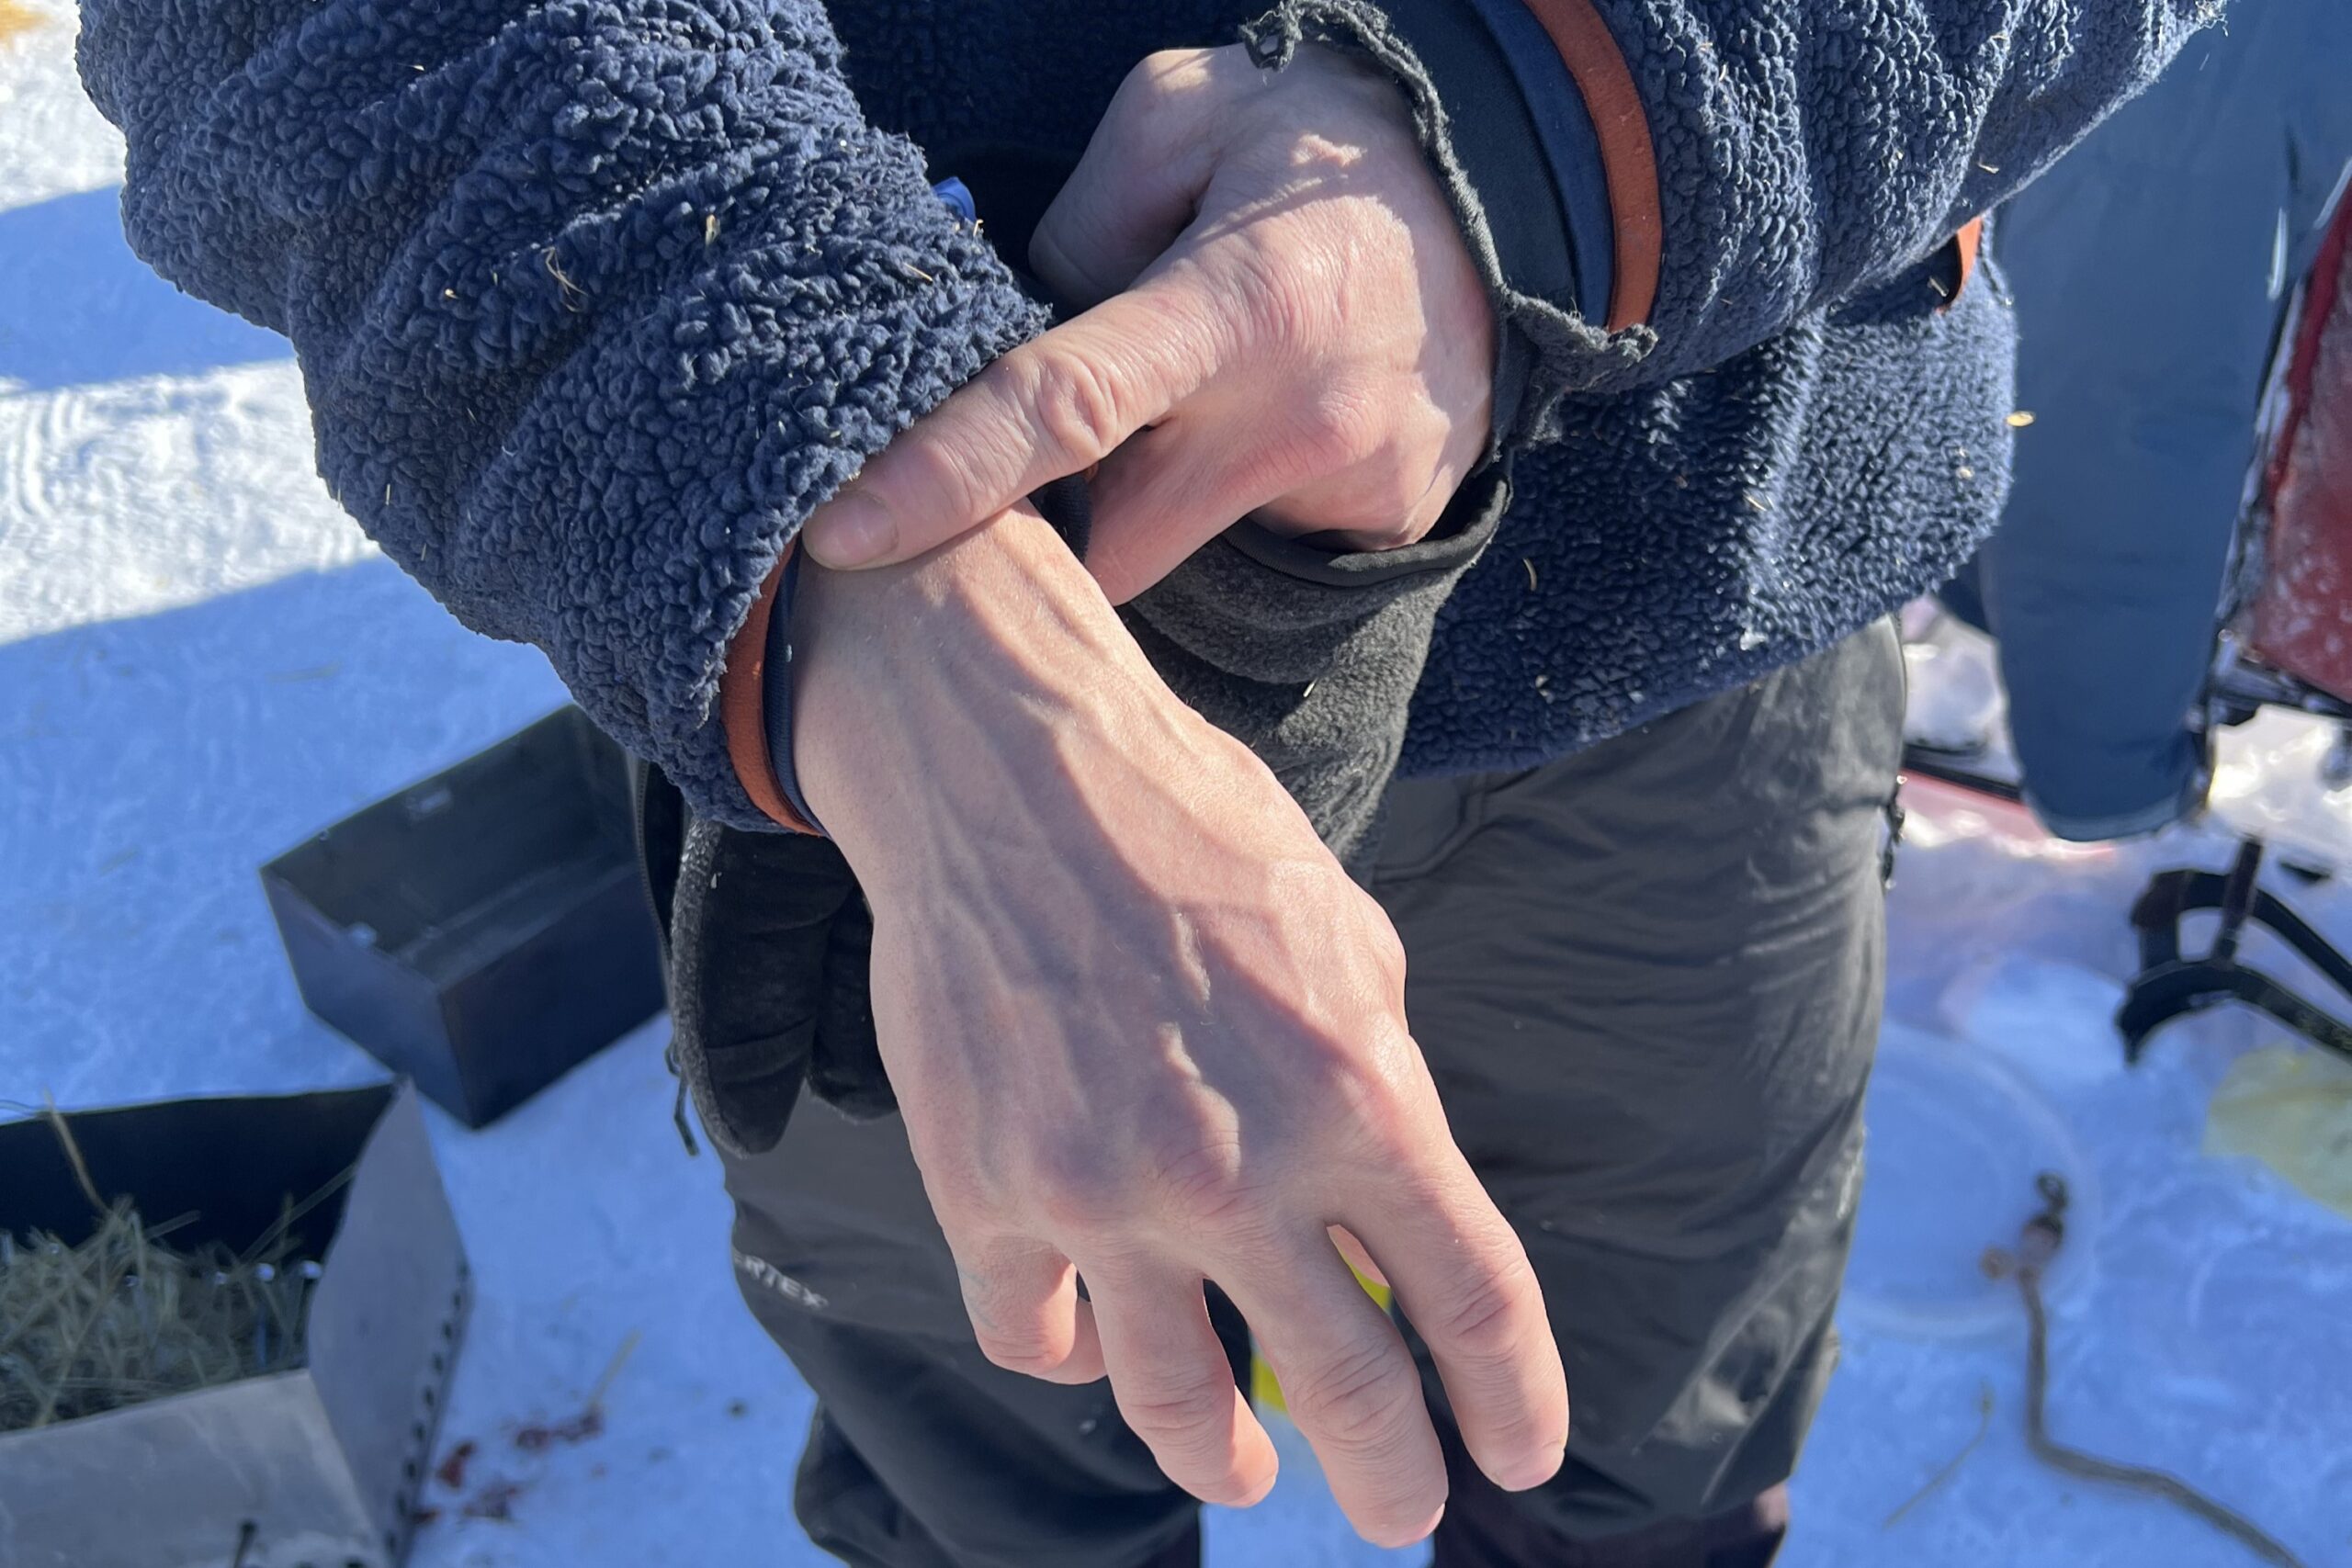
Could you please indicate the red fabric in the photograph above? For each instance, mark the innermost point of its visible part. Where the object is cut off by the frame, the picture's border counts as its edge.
(2300, 621)
(1628, 159)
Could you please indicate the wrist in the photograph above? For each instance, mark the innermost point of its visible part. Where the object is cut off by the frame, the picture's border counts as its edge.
(976, 691)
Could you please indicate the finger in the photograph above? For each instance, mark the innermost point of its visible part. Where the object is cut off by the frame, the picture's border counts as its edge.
(1350, 1383)
(1170, 492)
(1022, 1300)
(1138, 185)
(1175, 1387)
(1463, 1282)
(1051, 407)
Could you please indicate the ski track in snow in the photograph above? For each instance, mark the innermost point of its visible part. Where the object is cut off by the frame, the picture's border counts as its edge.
(202, 661)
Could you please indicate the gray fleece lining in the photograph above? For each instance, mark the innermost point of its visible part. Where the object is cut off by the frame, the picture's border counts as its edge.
(1452, 546)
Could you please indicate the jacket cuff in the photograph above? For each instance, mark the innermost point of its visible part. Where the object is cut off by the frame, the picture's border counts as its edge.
(1569, 141)
(1530, 161)
(1498, 138)
(756, 711)
(1588, 52)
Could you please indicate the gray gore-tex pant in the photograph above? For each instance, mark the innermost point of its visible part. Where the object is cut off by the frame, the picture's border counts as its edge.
(1647, 981)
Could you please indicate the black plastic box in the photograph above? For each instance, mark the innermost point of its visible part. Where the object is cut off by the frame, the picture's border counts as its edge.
(485, 930)
(318, 1467)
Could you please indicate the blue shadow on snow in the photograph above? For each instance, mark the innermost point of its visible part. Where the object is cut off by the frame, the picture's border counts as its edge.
(77, 307)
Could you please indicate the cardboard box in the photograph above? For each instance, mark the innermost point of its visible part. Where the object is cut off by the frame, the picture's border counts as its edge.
(315, 1468)
(485, 930)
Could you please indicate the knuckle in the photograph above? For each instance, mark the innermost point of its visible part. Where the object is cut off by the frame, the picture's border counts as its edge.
(1348, 428)
(1484, 1322)
(1339, 1078)
(1182, 1168)
(1022, 1351)
(927, 475)
(1186, 1147)
(1360, 1400)
(1186, 1419)
(1207, 1186)
(1359, 1087)
(1164, 81)
(1076, 404)
(1186, 1140)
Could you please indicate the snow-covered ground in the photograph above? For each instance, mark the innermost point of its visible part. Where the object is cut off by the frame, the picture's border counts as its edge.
(201, 662)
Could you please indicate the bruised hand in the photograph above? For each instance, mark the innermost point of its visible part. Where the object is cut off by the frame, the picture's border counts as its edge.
(1280, 319)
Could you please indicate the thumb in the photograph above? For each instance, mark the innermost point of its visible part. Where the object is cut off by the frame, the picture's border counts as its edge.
(1054, 407)
(1139, 184)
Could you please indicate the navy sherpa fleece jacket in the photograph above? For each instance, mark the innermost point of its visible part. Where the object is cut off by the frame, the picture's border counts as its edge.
(597, 299)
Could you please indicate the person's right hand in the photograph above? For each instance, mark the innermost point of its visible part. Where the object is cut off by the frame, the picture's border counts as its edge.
(1145, 1032)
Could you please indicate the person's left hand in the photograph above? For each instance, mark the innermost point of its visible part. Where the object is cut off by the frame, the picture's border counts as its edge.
(1282, 318)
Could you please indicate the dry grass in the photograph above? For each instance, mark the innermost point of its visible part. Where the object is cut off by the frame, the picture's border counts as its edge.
(127, 1316)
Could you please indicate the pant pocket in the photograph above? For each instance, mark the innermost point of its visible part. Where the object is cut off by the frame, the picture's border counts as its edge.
(1425, 821)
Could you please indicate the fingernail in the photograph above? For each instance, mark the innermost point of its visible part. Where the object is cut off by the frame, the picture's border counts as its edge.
(852, 530)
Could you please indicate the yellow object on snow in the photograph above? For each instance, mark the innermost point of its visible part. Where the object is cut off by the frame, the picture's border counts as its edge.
(14, 18)
(2291, 1108)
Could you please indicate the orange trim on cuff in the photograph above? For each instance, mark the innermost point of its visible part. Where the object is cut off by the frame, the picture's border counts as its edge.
(742, 706)
(1968, 242)
(1628, 160)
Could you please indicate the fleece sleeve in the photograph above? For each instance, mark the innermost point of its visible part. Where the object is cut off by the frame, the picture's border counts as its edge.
(1760, 160)
(596, 302)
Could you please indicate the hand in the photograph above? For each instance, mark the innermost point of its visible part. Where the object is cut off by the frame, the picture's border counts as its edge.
(1145, 1031)
(1284, 321)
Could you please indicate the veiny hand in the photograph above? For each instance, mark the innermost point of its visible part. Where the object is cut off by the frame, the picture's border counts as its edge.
(1284, 321)
(1144, 1030)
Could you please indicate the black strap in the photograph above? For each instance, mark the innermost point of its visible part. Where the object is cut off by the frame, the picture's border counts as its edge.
(1066, 504)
